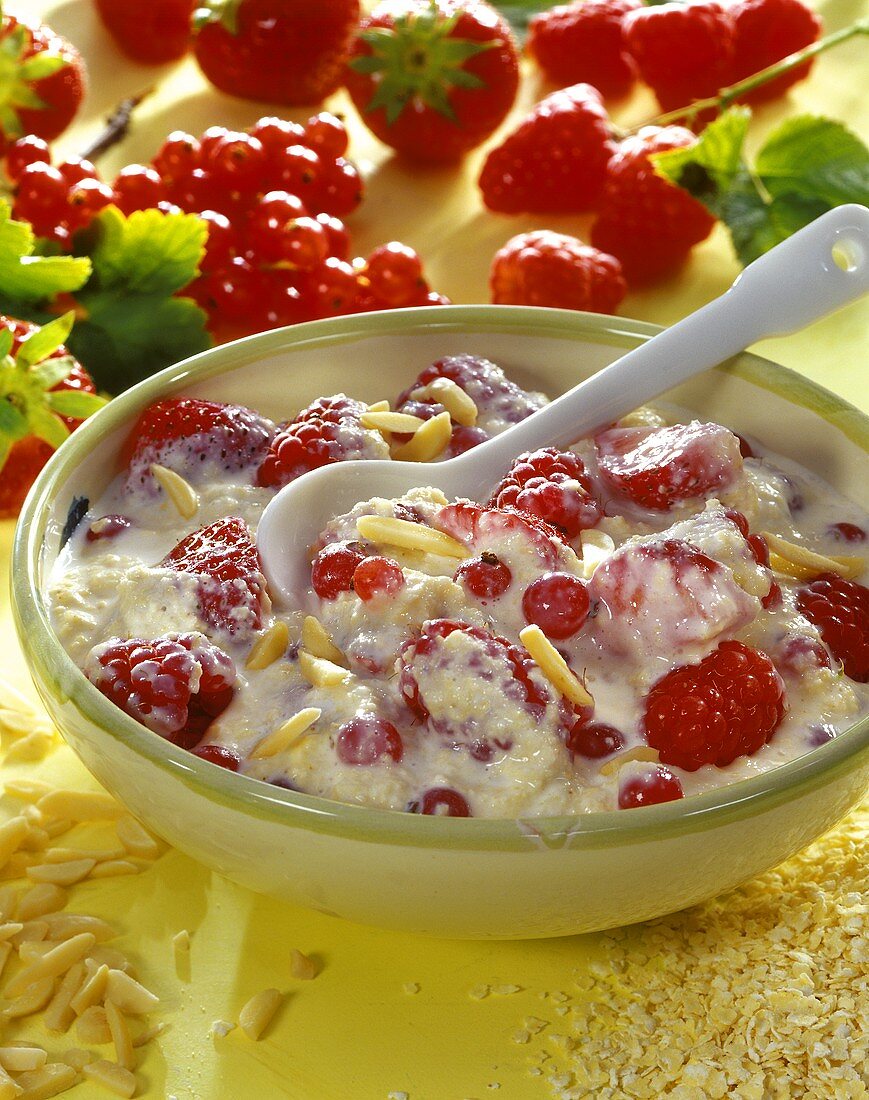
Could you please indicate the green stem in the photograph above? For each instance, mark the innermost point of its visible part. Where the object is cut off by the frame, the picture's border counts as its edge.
(727, 96)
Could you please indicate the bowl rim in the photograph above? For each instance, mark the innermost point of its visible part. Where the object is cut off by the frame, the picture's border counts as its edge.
(57, 676)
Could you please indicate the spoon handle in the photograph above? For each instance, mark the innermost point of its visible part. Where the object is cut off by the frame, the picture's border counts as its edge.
(819, 269)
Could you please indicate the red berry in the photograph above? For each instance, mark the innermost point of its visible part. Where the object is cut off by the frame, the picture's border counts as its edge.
(338, 237)
(594, 740)
(26, 150)
(336, 288)
(486, 577)
(645, 221)
(107, 527)
(326, 134)
(847, 532)
(649, 788)
(377, 576)
(77, 169)
(463, 438)
(765, 32)
(137, 187)
(303, 244)
(543, 268)
(553, 485)
(222, 242)
(840, 610)
(441, 802)
(332, 409)
(340, 188)
(151, 33)
(367, 740)
(220, 755)
(177, 156)
(85, 200)
(153, 682)
(728, 705)
(235, 161)
(40, 196)
(555, 161)
(395, 273)
(584, 42)
(275, 134)
(482, 529)
(684, 51)
(333, 569)
(557, 603)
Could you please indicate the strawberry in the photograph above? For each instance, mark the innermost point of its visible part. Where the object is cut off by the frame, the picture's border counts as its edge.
(647, 223)
(765, 32)
(433, 78)
(42, 81)
(223, 556)
(584, 41)
(279, 51)
(44, 395)
(152, 33)
(555, 161)
(501, 532)
(544, 268)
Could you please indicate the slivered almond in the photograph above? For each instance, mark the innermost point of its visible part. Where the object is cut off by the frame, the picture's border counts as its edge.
(63, 925)
(181, 942)
(35, 746)
(317, 642)
(51, 1079)
(378, 407)
(55, 962)
(136, 839)
(287, 734)
(12, 833)
(129, 995)
(182, 494)
(643, 417)
(810, 563)
(257, 1013)
(9, 929)
(8, 902)
(9, 1090)
(269, 647)
(302, 966)
(638, 752)
(93, 1026)
(22, 1059)
(5, 952)
(28, 790)
(120, 1033)
(428, 442)
(554, 667)
(62, 874)
(80, 805)
(320, 673)
(92, 990)
(111, 1076)
(388, 531)
(111, 868)
(459, 404)
(59, 1013)
(64, 855)
(596, 548)
(391, 421)
(43, 898)
(34, 998)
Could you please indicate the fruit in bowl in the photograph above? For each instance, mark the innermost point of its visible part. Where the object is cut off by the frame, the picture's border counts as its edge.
(340, 849)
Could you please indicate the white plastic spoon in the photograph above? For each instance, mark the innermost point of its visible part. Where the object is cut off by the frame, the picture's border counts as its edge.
(816, 271)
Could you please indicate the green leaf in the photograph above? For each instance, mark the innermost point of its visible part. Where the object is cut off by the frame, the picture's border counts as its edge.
(518, 13)
(28, 278)
(710, 167)
(52, 371)
(45, 425)
(41, 65)
(147, 253)
(40, 344)
(75, 403)
(6, 341)
(13, 422)
(758, 222)
(817, 158)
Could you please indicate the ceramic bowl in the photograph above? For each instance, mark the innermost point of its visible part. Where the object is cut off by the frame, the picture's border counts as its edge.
(444, 876)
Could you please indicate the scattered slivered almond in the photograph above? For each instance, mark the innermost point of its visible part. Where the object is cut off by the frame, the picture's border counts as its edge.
(387, 530)
(63, 925)
(136, 839)
(181, 942)
(428, 442)
(92, 1026)
(181, 493)
(12, 832)
(287, 734)
(91, 991)
(320, 673)
(8, 1088)
(20, 1059)
(596, 548)
(302, 966)
(129, 995)
(111, 868)
(316, 640)
(51, 1079)
(80, 805)
(803, 563)
(391, 422)
(258, 1012)
(35, 746)
(111, 1077)
(643, 417)
(54, 963)
(269, 647)
(459, 404)
(27, 790)
(378, 407)
(10, 929)
(59, 1012)
(34, 998)
(64, 855)
(638, 752)
(44, 897)
(120, 1033)
(62, 874)
(554, 667)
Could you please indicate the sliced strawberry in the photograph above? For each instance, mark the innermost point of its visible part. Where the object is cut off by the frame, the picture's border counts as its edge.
(232, 593)
(196, 439)
(658, 467)
(495, 529)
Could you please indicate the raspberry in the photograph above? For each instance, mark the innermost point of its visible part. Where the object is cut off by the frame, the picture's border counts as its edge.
(728, 705)
(440, 802)
(658, 467)
(585, 42)
(683, 51)
(367, 740)
(553, 269)
(331, 410)
(840, 611)
(552, 485)
(649, 788)
(174, 685)
(486, 577)
(333, 569)
(765, 32)
(555, 161)
(645, 221)
(557, 603)
(377, 576)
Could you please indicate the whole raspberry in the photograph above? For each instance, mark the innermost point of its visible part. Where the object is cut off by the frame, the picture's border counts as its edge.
(553, 485)
(840, 610)
(174, 685)
(765, 32)
(646, 222)
(728, 705)
(683, 51)
(544, 268)
(585, 42)
(555, 161)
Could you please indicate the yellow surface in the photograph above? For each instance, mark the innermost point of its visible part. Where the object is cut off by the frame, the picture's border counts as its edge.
(356, 1031)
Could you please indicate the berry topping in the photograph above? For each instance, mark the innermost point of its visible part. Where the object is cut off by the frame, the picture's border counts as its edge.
(174, 685)
(555, 161)
(231, 584)
(377, 576)
(501, 532)
(840, 610)
(107, 527)
(220, 755)
(485, 578)
(544, 268)
(557, 603)
(658, 467)
(366, 740)
(728, 705)
(441, 802)
(594, 740)
(649, 788)
(334, 568)
(553, 486)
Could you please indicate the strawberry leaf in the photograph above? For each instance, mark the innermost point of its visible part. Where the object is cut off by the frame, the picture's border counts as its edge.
(41, 343)
(74, 403)
(518, 13)
(147, 253)
(46, 426)
(28, 278)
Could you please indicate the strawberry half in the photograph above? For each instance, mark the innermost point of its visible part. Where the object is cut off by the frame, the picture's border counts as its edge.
(44, 395)
(500, 531)
(232, 588)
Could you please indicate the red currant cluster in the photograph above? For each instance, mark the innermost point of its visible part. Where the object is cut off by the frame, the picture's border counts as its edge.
(273, 198)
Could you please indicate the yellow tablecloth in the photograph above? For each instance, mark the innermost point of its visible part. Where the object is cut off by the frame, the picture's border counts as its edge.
(388, 1013)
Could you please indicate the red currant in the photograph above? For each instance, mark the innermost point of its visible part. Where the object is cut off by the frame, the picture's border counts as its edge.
(339, 238)
(222, 241)
(304, 243)
(298, 171)
(367, 740)
(649, 788)
(235, 161)
(847, 532)
(333, 569)
(441, 802)
(107, 527)
(218, 754)
(340, 188)
(557, 603)
(336, 288)
(138, 187)
(29, 149)
(75, 170)
(177, 156)
(377, 577)
(326, 134)
(276, 134)
(395, 273)
(486, 577)
(594, 740)
(85, 200)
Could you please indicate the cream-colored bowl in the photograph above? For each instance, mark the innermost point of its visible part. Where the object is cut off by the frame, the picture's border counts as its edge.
(444, 876)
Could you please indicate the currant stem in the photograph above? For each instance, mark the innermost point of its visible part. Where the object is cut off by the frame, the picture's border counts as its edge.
(727, 96)
(116, 128)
